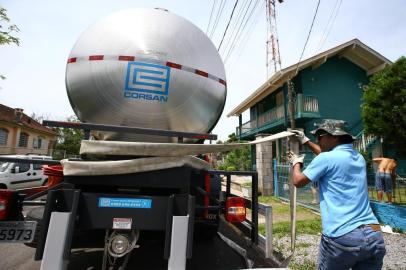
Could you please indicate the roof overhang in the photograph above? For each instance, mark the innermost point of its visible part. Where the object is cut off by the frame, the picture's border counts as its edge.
(355, 51)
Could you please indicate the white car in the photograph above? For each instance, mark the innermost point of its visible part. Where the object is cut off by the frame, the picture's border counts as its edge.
(18, 175)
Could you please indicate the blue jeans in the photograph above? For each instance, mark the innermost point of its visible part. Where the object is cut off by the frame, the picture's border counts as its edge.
(361, 249)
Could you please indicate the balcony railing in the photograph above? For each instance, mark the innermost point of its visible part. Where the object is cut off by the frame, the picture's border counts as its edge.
(306, 106)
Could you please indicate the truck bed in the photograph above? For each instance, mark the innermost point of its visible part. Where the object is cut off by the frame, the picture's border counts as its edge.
(208, 253)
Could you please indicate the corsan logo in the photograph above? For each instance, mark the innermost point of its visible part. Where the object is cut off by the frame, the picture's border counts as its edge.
(147, 81)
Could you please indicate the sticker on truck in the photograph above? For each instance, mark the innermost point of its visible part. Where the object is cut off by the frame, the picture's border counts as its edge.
(124, 203)
(122, 223)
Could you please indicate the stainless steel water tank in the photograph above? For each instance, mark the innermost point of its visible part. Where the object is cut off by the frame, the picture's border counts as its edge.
(146, 68)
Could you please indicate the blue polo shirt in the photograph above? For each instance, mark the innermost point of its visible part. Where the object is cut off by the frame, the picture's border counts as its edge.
(344, 202)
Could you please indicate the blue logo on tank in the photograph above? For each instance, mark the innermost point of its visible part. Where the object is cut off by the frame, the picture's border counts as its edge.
(146, 81)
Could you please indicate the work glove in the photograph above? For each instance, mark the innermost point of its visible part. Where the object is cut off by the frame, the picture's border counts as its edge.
(300, 136)
(293, 158)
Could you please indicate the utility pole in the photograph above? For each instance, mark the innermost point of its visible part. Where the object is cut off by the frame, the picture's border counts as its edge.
(294, 147)
(273, 59)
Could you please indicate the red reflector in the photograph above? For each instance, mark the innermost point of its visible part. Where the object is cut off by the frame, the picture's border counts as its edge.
(201, 73)
(235, 209)
(96, 57)
(173, 65)
(72, 60)
(201, 137)
(5, 201)
(222, 82)
(126, 58)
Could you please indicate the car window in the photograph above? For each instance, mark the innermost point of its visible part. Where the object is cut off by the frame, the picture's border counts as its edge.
(24, 167)
(4, 166)
(37, 166)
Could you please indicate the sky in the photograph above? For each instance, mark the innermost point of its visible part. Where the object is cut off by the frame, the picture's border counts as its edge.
(35, 70)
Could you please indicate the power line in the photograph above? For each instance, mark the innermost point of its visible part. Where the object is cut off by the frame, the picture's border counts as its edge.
(219, 12)
(248, 33)
(230, 44)
(234, 26)
(308, 35)
(239, 33)
(211, 14)
(329, 25)
(228, 24)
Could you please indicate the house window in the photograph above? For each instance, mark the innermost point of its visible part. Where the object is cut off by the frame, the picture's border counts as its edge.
(37, 143)
(23, 142)
(3, 136)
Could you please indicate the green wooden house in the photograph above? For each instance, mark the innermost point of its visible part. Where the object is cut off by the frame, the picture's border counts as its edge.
(327, 85)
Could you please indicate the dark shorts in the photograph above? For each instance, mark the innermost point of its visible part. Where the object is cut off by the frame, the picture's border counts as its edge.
(383, 181)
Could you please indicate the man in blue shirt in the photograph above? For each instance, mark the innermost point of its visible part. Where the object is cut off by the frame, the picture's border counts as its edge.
(351, 233)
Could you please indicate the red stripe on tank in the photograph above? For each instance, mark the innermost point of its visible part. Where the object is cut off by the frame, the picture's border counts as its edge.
(96, 57)
(201, 73)
(173, 65)
(222, 82)
(126, 58)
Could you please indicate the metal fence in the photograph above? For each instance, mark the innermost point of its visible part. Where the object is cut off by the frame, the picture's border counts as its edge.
(398, 192)
(308, 196)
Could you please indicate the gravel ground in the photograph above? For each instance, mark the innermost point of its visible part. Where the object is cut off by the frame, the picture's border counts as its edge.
(307, 247)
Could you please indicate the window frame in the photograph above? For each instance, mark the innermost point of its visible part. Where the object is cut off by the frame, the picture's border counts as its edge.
(6, 132)
(20, 144)
(38, 142)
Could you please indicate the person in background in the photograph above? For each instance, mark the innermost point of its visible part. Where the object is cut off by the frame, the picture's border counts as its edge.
(385, 175)
(352, 236)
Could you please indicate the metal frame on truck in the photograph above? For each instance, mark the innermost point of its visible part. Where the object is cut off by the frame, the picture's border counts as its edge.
(115, 203)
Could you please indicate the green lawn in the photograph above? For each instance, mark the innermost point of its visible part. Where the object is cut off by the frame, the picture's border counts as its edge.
(311, 226)
(308, 222)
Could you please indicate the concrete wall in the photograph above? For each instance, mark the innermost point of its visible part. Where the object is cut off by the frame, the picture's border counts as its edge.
(264, 166)
(389, 214)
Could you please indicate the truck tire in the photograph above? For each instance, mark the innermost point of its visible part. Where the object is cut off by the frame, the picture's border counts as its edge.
(3, 186)
(35, 214)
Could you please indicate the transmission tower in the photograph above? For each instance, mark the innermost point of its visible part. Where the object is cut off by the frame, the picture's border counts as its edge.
(273, 57)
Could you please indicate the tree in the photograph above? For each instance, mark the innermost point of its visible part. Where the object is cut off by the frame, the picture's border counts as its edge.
(384, 107)
(69, 140)
(237, 159)
(7, 31)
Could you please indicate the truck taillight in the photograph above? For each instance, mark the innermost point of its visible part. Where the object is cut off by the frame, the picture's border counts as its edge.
(235, 209)
(5, 200)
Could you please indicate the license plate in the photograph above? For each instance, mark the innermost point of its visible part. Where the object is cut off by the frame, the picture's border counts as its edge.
(17, 231)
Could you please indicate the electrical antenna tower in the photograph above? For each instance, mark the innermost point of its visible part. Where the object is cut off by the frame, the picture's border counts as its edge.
(273, 57)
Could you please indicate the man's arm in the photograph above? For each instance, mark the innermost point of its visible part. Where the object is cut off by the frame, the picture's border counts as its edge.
(314, 147)
(377, 160)
(299, 179)
(304, 140)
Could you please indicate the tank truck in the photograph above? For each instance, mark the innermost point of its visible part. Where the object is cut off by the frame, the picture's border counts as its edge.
(137, 79)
